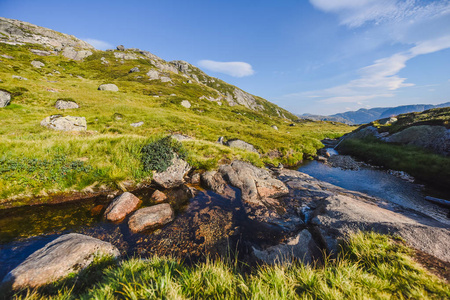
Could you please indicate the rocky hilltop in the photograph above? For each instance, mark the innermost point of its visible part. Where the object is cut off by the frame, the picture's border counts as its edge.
(14, 32)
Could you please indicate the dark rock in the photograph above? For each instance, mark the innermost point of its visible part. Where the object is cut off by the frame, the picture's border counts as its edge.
(121, 206)
(151, 217)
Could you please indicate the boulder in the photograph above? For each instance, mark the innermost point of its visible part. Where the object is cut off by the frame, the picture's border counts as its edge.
(274, 127)
(186, 104)
(66, 104)
(158, 196)
(174, 175)
(151, 217)
(5, 98)
(37, 64)
(108, 87)
(165, 79)
(387, 121)
(121, 48)
(68, 123)
(181, 137)
(121, 206)
(135, 69)
(236, 143)
(67, 254)
(302, 247)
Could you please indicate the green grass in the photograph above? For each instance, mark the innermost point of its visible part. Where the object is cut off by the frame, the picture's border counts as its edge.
(370, 266)
(111, 147)
(429, 167)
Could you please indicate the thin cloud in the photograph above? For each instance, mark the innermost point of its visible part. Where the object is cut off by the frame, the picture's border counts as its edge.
(98, 44)
(378, 80)
(233, 68)
(355, 13)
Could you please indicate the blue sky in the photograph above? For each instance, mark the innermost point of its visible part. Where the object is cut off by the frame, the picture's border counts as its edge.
(316, 56)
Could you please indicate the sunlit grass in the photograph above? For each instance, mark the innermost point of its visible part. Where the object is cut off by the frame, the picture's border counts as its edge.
(370, 266)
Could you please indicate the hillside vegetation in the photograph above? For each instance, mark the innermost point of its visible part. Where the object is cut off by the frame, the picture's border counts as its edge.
(35, 160)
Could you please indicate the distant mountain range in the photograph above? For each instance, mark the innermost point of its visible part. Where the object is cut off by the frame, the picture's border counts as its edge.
(363, 115)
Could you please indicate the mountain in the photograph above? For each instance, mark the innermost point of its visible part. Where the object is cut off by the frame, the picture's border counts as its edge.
(363, 115)
(84, 115)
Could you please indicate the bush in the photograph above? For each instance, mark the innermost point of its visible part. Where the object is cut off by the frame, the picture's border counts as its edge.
(158, 155)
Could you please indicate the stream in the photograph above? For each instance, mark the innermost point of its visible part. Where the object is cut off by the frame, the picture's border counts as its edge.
(202, 218)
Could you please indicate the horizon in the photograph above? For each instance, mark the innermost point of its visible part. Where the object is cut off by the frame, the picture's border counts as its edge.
(318, 56)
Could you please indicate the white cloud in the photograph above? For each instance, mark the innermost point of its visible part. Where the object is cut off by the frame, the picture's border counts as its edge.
(378, 80)
(98, 44)
(232, 68)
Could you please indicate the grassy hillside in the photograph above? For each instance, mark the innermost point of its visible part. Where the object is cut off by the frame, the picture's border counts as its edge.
(370, 266)
(35, 160)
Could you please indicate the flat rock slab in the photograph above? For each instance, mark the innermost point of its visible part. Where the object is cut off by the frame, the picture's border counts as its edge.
(68, 123)
(67, 254)
(240, 144)
(151, 217)
(121, 206)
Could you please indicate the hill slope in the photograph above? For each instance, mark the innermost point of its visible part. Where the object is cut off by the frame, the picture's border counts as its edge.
(155, 98)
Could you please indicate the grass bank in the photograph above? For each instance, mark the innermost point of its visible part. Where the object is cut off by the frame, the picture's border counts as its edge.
(370, 266)
(426, 166)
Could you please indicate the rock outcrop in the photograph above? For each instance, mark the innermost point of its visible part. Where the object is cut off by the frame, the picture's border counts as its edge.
(67, 123)
(174, 175)
(122, 206)
(70, 253)
(5, 98)
(108, 87)
(151, 217)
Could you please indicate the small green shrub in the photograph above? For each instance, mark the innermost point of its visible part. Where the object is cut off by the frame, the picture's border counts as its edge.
(158, 155)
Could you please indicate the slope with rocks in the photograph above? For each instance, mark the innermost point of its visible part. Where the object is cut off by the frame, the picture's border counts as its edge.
(124, 99)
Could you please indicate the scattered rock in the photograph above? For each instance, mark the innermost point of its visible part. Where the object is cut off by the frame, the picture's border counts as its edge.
(165, 79)
(174, 175)
(153, 74)
(151, 217)
(121, 206)
(181, 137)
(5, 98)
(137, 124)
(19, 77)
(70, 253)
(135, 69)
(7, 56)
(42, 52)
(158, 196)
(274, 127)
(68, 123)
(301, 247)
(108, 87)
(37, 64)
(66, 104)
(104, 61)
(121, 48)
(236, 143)
(186, 104)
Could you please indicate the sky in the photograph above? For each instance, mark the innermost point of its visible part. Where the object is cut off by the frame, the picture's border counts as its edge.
(317, 56)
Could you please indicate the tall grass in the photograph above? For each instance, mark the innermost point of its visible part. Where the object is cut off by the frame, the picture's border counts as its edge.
(370, 266)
